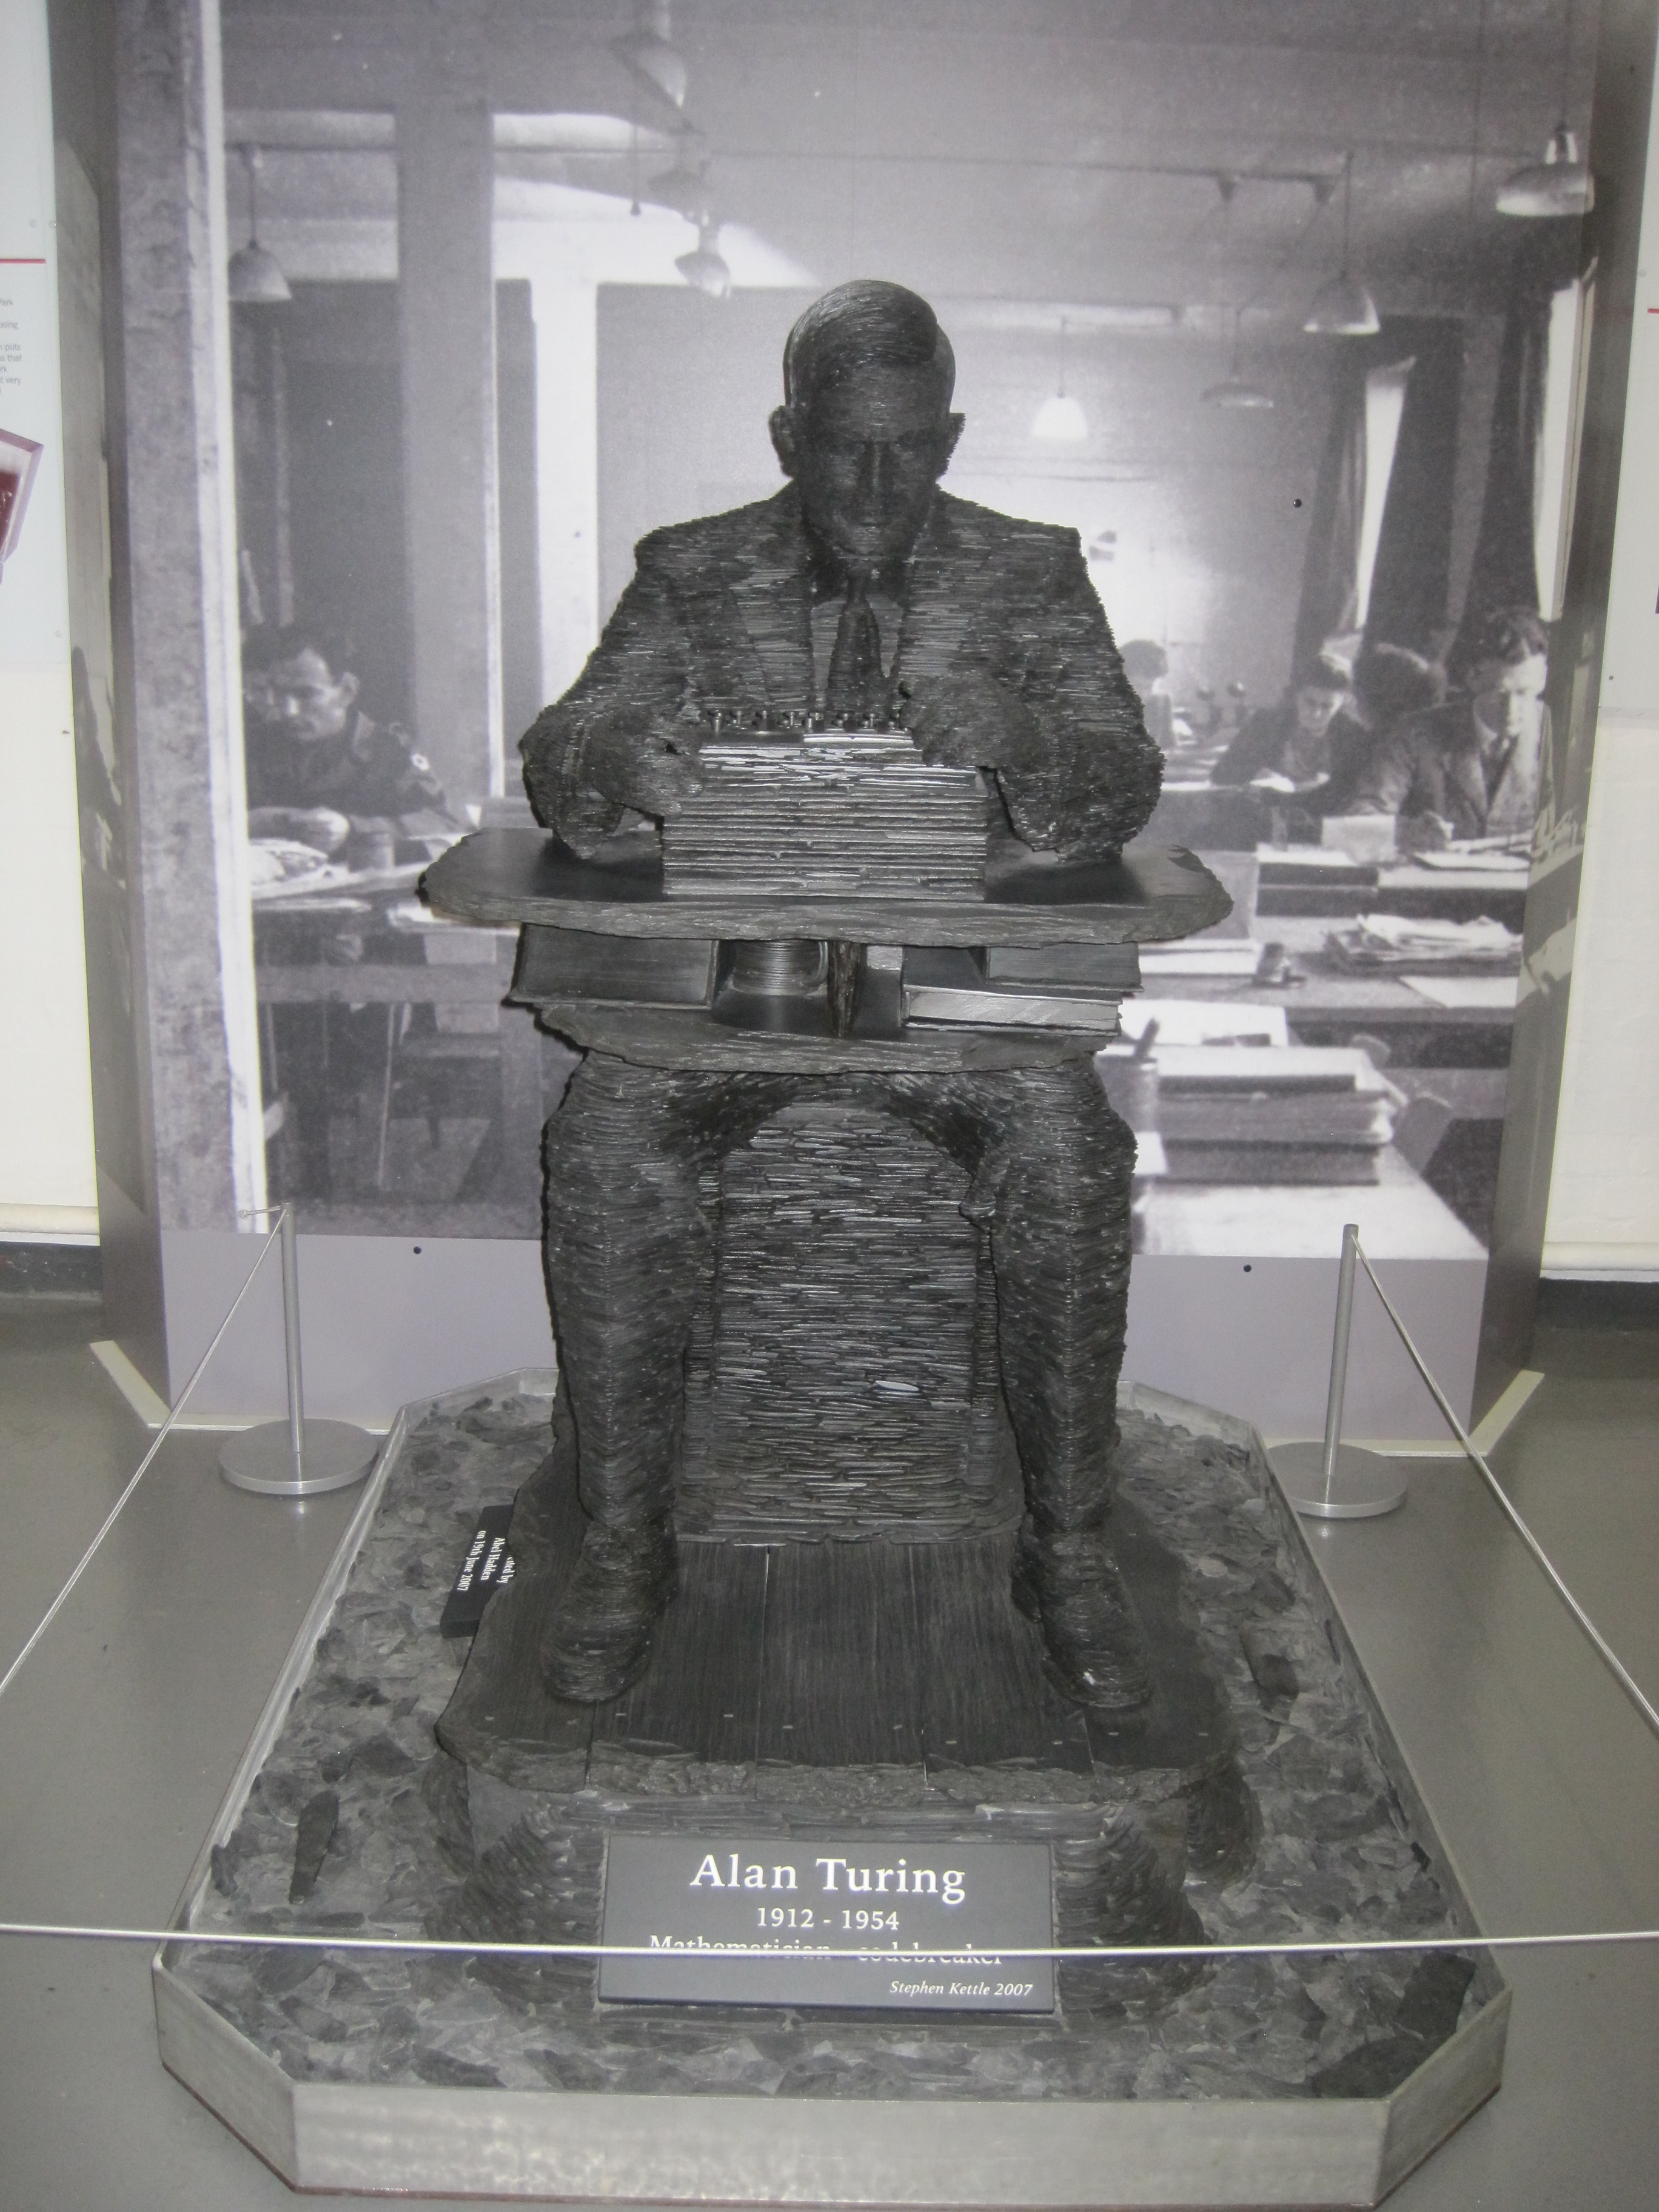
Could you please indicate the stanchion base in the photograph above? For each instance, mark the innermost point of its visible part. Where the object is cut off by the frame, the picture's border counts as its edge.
(1363, 1485)
(336, 1454)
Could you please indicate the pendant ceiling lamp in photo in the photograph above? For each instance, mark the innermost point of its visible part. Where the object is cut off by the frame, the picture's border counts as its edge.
(1560, 184)
(1344, 308)
(254, 277)
(649, 53)
(1060, 420)
(1235, 389)
(705, 267)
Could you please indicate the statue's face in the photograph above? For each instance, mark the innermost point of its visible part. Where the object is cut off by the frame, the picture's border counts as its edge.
(866, 455)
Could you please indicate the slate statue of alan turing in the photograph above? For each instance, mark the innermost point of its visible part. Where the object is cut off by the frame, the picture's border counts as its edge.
(862, 593)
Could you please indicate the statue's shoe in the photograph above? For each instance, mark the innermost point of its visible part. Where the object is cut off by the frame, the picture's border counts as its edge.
(1073, 1589)
(596, 1638)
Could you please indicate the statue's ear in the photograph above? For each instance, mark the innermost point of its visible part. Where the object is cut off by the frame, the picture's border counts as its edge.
(953, 431)
(781, 423)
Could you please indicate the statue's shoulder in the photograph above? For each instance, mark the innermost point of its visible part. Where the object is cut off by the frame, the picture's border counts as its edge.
(691, 546)
(1010, 539)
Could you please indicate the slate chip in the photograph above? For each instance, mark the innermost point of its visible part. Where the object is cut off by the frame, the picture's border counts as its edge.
(315, 1833)
(1272, 1669)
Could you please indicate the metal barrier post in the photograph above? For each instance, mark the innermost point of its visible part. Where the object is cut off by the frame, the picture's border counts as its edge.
(1335, 1481)
(295, 1458)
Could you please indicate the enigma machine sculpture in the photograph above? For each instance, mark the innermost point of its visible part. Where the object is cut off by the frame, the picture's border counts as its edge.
(853, 1639)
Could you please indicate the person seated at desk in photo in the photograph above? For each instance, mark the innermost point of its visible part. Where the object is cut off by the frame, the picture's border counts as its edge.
(1469, 768)
(320, 772)
(1310, 746)
(1146, 665)
(1389, 682)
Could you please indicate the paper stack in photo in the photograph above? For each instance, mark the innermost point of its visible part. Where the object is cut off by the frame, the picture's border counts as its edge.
(843, 813)
(1279, 1114)
(1390, 943)
(1312, 880)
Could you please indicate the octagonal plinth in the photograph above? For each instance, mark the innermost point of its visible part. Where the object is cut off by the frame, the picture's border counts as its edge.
(1248, 2080)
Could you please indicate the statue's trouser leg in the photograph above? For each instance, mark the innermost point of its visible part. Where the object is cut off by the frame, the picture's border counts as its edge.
(626, 1248)
(1052, 1163)
(1052, 1166)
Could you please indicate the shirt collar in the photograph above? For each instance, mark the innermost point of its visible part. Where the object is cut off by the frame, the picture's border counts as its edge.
(828, 576)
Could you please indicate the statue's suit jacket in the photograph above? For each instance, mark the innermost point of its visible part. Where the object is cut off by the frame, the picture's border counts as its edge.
(718, 618)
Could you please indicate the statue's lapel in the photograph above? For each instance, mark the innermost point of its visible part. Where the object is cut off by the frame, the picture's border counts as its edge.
(768, 581)
(946, 612)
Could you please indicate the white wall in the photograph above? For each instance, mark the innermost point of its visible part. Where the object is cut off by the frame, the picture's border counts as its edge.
(1604, 1188)
(46, 1180)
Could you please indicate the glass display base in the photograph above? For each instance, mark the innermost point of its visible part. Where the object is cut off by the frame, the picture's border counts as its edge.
(1250, 2080)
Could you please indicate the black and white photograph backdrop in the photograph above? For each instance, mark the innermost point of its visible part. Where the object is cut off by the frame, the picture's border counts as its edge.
(1279, 306)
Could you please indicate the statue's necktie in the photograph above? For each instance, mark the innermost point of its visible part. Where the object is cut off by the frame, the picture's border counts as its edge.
(854, 696)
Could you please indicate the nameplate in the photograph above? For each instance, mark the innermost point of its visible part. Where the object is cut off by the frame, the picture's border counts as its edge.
(487, 1568)
(775, 1920)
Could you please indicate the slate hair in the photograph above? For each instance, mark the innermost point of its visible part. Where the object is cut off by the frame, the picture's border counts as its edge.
(866, 323)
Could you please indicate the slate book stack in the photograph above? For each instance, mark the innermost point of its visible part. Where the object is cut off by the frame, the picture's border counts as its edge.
(1054, 988)
(837, 813)
(1297, 1114)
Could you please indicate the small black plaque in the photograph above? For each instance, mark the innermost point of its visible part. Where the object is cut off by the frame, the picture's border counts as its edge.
(760, 1920)
(487, 1568)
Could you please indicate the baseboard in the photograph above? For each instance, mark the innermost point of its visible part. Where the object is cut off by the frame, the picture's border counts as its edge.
(1624, 1300)
(33, 1266)
(149, 1406)
(152, 1409)
(1484, 1437)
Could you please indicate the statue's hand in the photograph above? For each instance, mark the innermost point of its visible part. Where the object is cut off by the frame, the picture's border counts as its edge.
(968, 720)
(634, 759)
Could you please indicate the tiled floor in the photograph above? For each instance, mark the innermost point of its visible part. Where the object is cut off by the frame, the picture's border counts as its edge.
(120, 1735)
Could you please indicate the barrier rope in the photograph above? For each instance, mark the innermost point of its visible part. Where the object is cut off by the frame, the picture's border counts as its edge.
(480, 1947)
(1616, 1666)
(143, 1468)
(1098, 1954)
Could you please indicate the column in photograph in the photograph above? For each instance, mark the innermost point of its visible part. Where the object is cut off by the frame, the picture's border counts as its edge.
(198, 944)
(446, 181)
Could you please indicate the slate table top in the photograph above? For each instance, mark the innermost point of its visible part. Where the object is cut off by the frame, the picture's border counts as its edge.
(1147, 896)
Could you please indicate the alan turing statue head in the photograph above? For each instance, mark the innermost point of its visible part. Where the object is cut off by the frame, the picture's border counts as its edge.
(865, 429)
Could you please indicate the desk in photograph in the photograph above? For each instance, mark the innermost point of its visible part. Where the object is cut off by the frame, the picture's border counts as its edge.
(1331, 1004)
(1401, 887)
(1399, 1218)
(288, 934)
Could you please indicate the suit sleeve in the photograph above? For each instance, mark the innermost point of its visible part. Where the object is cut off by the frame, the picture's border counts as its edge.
(1098, 772)
(1390, 783)
(1259, 744)
(637, 675)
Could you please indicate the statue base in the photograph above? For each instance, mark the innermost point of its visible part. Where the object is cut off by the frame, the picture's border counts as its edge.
(1260, 1798)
